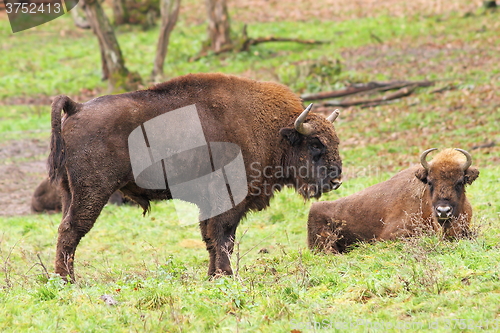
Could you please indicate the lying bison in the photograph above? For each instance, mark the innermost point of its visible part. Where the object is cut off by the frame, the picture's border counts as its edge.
(280, 144)
(417, 198)
(47, 199)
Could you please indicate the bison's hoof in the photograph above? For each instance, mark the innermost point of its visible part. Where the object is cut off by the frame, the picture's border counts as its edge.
(220, 273)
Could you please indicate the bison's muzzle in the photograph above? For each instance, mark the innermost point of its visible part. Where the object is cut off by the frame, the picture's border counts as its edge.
(443, 212)
(336, 183)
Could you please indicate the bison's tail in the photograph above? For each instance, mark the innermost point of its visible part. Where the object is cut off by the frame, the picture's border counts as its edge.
(57, 155)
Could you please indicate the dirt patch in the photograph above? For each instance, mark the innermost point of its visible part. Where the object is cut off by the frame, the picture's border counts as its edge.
(248, 11)
(84, 95)
(22, 168)
(454, 60)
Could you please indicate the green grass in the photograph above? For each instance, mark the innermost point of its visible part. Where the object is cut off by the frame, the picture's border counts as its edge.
(18, 121)
(156, 269)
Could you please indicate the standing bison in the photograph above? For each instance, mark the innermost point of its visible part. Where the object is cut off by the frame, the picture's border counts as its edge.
(423, 196)
(280, 146)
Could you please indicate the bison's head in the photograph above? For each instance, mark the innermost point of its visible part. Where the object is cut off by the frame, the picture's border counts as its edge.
(311, 154)
(446, 176)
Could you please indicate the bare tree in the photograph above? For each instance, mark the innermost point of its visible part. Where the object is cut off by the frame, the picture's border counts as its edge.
(120, 12)
(169, 14)
(488, 4)
(113, 64)
(219, 30)
(79, 18)
(136, 12)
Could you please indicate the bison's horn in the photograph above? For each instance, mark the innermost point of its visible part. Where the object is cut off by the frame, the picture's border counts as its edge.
(331, 118)
(423, 158)
(467, 155)
(302, 128)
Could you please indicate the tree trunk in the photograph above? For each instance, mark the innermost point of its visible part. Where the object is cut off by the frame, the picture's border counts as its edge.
(489, 4)
(169, 13)
(136, 12)
(219, 30)
(120, 79)
(79, 18)
(120, 12)
(104, 67)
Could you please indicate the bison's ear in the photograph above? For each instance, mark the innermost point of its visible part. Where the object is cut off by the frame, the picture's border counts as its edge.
(421, 174)
(291, 135)
(470, 175)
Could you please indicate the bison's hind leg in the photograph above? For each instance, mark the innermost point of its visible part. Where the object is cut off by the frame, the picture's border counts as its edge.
(81, 207)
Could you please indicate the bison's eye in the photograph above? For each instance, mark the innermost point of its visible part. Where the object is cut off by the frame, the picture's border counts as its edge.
(316, 149)
(431, 185)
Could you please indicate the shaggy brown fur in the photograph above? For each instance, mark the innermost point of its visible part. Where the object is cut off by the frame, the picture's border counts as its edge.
(90, 158)
(398, 207)
(47, 199)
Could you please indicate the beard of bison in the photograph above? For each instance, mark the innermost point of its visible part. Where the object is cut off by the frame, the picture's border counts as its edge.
(446, 177)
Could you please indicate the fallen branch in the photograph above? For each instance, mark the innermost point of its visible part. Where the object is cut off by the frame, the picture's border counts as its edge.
(377, 38)
(354, 89)
(244, 43)
(403, 92)
(443, 89)
(365, 88)
(403, 84)
(485, 145)
(254, 41)
(369, 105)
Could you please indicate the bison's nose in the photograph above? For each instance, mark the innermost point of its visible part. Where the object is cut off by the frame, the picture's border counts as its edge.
(443, 212)
(336, 183)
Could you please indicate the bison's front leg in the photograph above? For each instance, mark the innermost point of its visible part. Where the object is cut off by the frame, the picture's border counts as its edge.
(218, 234)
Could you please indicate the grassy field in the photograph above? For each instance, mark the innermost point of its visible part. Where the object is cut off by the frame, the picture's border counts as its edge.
(155, 269)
